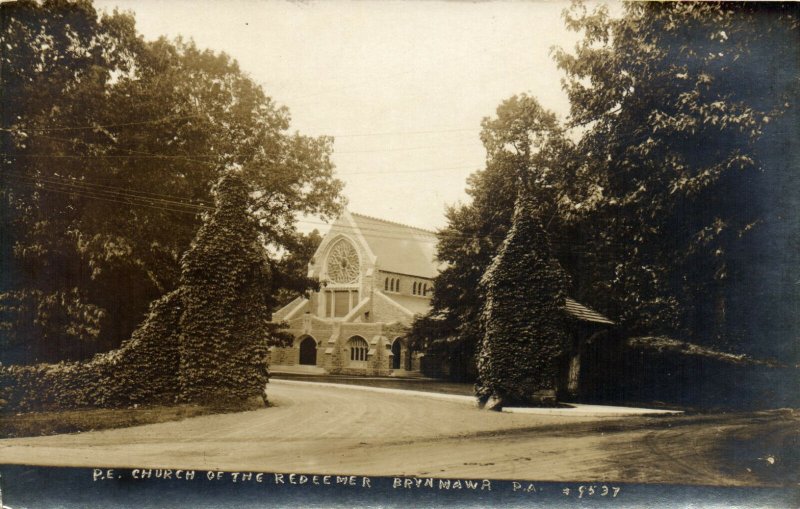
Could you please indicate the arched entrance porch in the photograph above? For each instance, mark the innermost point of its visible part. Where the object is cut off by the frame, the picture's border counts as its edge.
(397, 353)
(308, 351)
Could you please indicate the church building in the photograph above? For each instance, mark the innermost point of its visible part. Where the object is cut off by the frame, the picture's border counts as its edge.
(375, 275)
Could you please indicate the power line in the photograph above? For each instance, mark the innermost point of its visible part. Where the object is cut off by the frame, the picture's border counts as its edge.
(78, 189)
(131, 151)
(166, 119)
(86, 127)
(147, 155)
(66, 180)
(388, 133)
(420, 170)
(400, 149)
(108, 199)
(339, 173)
(193, 209)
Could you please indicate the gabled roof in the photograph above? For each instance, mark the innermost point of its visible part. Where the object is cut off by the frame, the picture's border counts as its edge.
(584, 313)
(399, 248)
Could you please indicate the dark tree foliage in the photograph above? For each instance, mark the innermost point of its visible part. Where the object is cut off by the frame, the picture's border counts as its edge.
(522, 317)
(291, 271)
(676, 213)
(60, 321)
(110, 147)
(691, 136)
(224, 327)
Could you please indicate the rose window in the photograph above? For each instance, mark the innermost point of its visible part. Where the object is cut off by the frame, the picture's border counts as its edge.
(343, 265)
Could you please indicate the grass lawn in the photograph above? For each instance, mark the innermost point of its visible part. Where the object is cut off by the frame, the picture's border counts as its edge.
(75, 421)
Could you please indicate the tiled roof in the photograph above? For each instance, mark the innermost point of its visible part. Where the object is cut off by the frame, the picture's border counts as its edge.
(399, 248)
(584, 313)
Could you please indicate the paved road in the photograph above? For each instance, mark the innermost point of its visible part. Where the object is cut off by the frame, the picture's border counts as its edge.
(341, 430)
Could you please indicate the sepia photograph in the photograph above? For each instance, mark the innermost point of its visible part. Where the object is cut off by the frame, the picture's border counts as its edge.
(267, 253)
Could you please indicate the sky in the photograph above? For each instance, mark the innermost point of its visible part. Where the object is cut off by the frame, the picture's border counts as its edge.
(401, 86)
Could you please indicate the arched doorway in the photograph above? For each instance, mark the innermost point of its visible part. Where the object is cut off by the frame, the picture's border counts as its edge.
(308, 352)
(397, 349)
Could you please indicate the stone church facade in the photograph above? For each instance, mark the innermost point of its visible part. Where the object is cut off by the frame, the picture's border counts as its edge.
(376, 276)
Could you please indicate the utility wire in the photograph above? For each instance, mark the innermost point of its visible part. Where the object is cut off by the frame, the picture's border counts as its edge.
(50, 185)
(391, 133)
(108, 199)
(146, 155)
(130, 151)
(192, 209)
(336, 173)
(105, 126)
(66, 180)
(166, 119)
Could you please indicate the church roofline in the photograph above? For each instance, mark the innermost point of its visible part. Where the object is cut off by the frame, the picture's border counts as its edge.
(395, 223)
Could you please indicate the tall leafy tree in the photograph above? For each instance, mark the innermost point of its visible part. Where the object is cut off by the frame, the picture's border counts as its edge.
(111, 145)
(690, 116)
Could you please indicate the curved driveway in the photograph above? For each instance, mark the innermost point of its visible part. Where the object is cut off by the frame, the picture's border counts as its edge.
(341, 430)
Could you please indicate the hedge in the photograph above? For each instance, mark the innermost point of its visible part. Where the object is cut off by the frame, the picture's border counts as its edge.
(142, 371)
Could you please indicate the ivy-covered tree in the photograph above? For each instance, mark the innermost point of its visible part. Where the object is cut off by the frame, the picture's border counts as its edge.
(110, 147)
(224, 328)
(522, 317)
(522, 139)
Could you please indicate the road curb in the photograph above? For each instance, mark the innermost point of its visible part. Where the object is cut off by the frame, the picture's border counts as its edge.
(575, 410)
